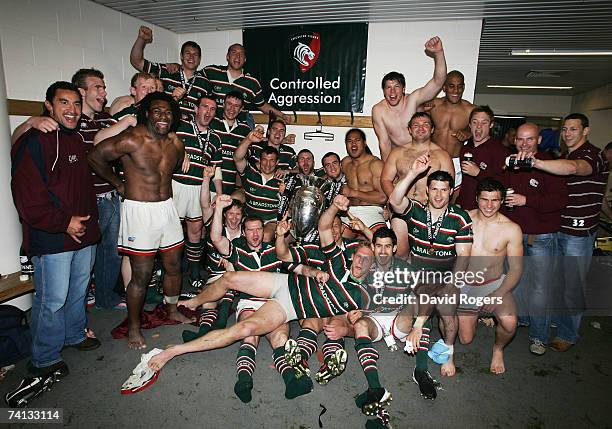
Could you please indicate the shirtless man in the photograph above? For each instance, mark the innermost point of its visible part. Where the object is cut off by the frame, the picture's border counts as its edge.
(495, 238)
(451, 115)
(392, 113)
(398, 163)
(362, 171)
(149, 153)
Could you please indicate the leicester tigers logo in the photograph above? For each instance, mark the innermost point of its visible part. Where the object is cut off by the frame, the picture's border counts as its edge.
(302, 53)
(305, 49)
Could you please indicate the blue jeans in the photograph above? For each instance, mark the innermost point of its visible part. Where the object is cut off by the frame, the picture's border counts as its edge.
(534, 292)
(108, 260)
(576, 253)
(58, 307)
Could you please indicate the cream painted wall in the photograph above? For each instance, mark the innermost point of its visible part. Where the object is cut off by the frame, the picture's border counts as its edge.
(10, 229)
(526, 105)
(391, 46)
(44, 41)
(597, 105)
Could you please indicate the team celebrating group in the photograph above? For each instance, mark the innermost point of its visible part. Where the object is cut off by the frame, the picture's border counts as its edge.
(448, 222)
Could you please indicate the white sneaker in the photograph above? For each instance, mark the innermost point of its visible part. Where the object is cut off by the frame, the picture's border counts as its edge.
(142, 376)
(537, 347)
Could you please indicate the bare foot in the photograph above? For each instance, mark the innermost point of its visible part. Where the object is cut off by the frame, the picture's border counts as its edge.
(135, 339)
(489, 322)
(448, 369)
(158, 361)
(497, 362)
(174, 314)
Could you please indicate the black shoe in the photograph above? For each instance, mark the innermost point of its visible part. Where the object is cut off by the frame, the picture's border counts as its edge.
(381, 421)
(375, 398)
(86, 345)
(28, 389)
(426, 384)
(59, 370)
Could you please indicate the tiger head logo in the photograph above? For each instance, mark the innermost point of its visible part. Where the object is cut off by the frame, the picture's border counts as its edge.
(305, 48)
(301, 52)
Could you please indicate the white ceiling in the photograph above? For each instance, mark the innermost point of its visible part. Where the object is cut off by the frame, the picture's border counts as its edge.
(509, 24)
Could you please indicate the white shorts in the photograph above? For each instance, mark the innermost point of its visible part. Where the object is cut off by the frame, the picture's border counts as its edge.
(187, 201)
(472, 293)
(385, 322)
(280, 293)
(247, 305)
(147, 227)
(371, 216)
(458, 172)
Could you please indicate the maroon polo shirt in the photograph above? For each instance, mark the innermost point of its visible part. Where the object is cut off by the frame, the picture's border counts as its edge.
(581, 216)
(490, 157)
(546, 198)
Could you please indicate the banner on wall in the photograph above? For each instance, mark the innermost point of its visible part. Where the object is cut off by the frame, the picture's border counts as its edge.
(310, 67)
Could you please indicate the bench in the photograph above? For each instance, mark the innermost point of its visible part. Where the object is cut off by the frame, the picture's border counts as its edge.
(11, 287)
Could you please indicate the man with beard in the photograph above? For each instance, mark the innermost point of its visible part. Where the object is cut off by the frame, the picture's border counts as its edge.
(392, 113)
(294, 181)
(496, 239)
(380, 320)
(149, 152)
(421, 128)
(451, 116)
(440, 242)
(363, 171)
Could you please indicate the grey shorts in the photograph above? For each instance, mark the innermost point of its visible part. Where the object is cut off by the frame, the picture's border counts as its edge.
(280, 293)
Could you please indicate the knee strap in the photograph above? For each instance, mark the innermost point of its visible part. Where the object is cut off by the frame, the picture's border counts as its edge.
(171, 299)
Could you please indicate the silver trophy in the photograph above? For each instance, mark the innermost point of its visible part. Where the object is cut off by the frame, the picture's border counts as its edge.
(306, 206)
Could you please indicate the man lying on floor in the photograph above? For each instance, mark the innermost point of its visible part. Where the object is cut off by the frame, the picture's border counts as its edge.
(291, 296)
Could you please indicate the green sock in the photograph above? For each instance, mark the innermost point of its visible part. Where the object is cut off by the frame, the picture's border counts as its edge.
(307, 340)
(245, 365)
(243, 388)
(193, 251)
(224, 307)
(330, 347)
(294, 386)
(245, 359)
(368, 357)
(421, 356)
